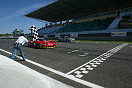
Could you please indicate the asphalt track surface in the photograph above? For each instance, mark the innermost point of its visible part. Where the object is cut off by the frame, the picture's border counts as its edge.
(103, 64)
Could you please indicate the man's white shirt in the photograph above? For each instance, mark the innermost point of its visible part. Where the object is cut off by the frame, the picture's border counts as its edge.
(21, 40)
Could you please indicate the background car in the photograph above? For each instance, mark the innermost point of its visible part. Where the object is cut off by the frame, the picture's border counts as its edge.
(42, 43)
(66, 39)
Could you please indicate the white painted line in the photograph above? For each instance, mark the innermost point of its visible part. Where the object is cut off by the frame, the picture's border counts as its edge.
(86, 83)
(81, 66)
(84, 54)
(130, 46)
(96, 61)
(96, 42)
(16, 75)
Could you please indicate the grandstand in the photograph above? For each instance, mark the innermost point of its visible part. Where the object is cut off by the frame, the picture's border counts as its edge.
(89, 19)
(87, 26)
(125, 22)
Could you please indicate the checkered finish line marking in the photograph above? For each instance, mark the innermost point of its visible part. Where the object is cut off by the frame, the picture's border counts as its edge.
(87, 67)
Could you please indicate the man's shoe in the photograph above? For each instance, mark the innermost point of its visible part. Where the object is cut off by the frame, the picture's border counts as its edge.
(11, 59)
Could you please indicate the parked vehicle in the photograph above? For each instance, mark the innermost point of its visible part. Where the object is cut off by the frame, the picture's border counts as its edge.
(66, 39)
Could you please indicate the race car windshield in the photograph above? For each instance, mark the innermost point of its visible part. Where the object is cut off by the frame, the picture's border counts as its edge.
(41, 39)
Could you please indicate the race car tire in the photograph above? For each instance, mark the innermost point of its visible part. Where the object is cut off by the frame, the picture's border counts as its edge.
(67, 40)
(38, 46)
(72, 40)
(34, 44)
(29, 45)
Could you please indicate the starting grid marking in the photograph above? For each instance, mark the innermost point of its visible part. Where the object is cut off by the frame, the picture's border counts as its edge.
(74, 51)
(84, 54)
(81, 55)
(87, 67)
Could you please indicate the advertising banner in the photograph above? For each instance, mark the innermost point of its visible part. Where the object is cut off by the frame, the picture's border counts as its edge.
(123, 34)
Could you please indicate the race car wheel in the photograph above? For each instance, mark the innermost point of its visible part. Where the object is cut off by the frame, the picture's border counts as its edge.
(72, 40)
(34, 44)
(67, 40)
(29, 45)
(38, 46)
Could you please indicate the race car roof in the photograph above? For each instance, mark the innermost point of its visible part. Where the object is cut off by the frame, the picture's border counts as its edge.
(62, 10)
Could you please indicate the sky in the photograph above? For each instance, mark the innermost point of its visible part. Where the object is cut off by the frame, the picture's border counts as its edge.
(12, 15)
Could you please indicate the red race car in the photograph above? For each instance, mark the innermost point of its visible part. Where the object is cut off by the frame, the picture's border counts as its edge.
(42, 43)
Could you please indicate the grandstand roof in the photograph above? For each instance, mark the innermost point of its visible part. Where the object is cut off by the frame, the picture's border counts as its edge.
(61, 10)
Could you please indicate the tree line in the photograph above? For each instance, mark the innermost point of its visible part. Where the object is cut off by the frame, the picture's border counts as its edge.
(15, 32)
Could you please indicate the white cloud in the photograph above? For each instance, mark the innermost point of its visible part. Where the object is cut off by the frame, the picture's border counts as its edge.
(22, 11)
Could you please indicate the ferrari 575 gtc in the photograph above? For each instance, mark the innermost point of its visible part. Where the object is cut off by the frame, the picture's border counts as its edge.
(42, 43)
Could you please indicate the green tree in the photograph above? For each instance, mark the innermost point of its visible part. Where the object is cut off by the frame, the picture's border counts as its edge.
(7, 34)
(21, 31)
(17, 32)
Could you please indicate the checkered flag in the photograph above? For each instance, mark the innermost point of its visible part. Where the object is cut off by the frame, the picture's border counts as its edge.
(34, 32)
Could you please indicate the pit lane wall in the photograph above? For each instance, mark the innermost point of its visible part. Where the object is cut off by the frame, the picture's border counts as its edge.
(113, 36)
(99, 38)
